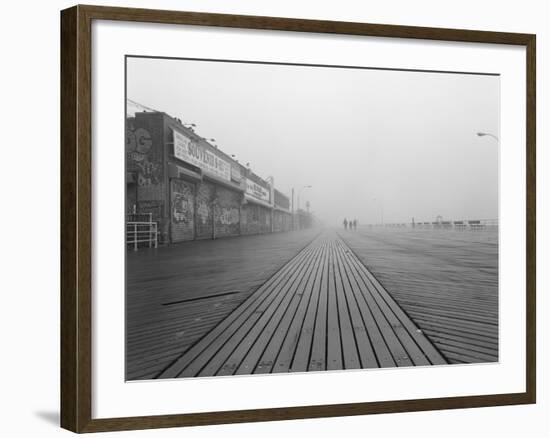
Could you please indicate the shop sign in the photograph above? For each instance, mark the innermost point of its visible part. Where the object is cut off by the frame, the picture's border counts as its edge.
(256, 191)
(198, 155)
(236, 174)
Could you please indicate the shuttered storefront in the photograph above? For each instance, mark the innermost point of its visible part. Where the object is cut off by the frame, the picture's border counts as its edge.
(205, 197)
(255, 218)
(227, 212)
(182, 210)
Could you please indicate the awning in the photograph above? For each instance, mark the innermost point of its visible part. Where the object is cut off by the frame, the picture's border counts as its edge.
(221, 182)
(175, 171)
(252, 200)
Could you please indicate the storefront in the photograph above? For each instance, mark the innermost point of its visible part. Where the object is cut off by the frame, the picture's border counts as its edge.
(257, 209)
(282, 214)
(192, 189)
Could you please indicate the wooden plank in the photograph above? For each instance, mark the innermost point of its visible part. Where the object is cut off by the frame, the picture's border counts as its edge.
(318, 355)
(304, 349)
(364, 346)
(272, 349)
(347, 330)
(399, 354)
(383, 355)
(334, 345)
(293, 331)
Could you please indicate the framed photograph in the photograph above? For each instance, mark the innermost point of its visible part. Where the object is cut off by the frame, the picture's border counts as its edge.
(271, 218)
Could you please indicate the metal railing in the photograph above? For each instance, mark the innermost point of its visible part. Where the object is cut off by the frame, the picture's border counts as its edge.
(145, 232)
(461, 225)
(139, 217)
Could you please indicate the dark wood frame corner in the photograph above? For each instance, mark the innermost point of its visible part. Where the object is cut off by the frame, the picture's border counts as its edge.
(76, 222)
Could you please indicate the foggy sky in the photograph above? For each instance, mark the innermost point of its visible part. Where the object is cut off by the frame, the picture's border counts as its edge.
(369, 142)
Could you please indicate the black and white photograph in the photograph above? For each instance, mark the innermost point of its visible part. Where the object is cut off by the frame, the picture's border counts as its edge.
(292, 218)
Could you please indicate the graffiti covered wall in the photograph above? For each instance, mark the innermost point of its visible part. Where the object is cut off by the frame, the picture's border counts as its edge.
(227, 212)
(144, 158)
(187, 198)
(255, 219)
(205, 197)
(182, 210)
(145, 163)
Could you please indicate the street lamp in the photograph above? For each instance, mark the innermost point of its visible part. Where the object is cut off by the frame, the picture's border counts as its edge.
(487, 134)
(299, 193)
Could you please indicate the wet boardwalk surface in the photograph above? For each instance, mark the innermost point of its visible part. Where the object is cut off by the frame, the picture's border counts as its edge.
(177, 294)
(312, 300)
(446, 281)
(323, 310)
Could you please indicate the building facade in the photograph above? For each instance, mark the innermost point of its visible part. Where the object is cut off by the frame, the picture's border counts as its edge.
(192, 189)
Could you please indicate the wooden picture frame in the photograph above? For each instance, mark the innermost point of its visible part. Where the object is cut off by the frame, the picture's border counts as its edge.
(76, 217)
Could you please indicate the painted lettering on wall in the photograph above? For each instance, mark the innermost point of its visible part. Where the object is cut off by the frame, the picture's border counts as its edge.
(256, 190)
(182, 209)
(229, 216)
(138, 149)
(197, 154)
(203, 211)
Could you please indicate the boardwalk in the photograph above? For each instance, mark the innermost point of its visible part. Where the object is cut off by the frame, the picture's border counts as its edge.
(175, 295)
(323, 310)
(313, 300)
(446, 281)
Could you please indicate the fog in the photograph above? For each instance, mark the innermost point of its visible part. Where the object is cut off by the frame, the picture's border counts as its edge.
(373, 144)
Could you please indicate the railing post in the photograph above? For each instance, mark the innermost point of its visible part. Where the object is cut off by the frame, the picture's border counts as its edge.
(135, 237)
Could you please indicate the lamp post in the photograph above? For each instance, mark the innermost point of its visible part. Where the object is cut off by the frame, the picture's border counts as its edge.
(299, 193)
(487, 134)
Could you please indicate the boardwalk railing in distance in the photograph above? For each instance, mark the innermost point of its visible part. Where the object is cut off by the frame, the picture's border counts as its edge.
(459, 225)
(141, 229)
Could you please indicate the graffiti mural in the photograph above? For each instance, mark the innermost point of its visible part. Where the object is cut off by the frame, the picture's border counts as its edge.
(182, 210)
(205, 193)
(203, 211)
(229, 216)
(139, 152)
(258, 219)
(227, 212)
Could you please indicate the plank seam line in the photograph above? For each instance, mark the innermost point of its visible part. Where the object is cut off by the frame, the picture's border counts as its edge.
(321, 271)
(340, 260)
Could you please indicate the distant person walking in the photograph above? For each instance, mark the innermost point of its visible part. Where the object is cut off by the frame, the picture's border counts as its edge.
(346, 224)
(355, 224)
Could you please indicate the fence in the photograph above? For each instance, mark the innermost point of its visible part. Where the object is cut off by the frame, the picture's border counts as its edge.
(139, 231)
(460, 225)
